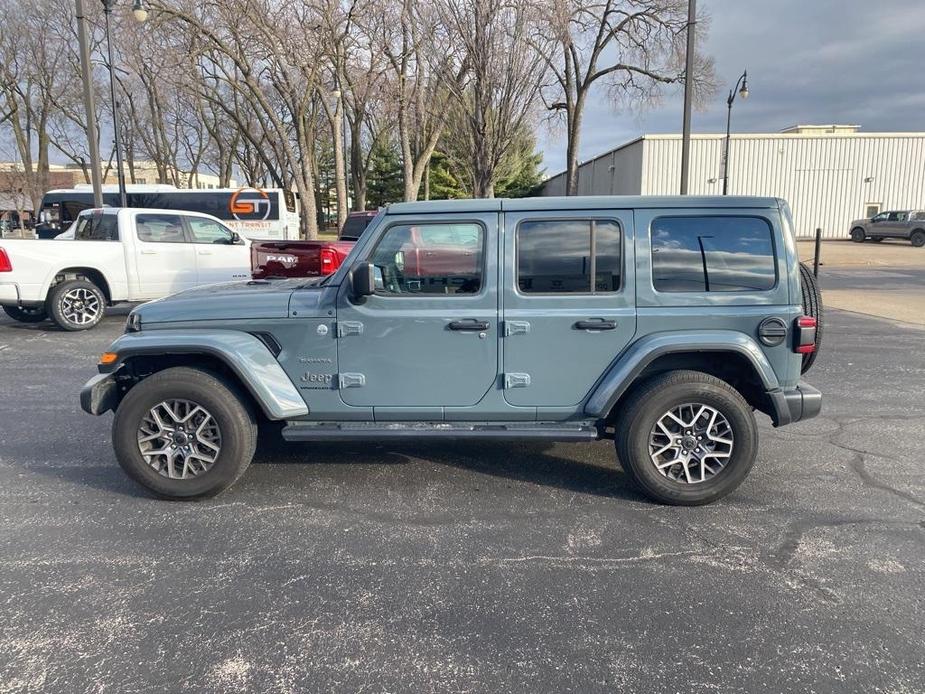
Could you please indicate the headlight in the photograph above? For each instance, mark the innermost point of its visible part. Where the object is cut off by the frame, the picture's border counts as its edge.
(133, 324)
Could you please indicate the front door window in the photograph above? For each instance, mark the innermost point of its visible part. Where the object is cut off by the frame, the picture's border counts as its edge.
(430, 259)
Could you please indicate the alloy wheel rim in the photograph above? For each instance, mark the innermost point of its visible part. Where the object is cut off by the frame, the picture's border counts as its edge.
(80, 306)
(179, 439)
(691, 443)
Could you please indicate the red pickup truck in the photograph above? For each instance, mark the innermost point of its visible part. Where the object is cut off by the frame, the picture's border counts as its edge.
(307, 258)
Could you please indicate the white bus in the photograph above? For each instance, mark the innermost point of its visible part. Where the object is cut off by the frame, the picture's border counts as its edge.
(255, 213)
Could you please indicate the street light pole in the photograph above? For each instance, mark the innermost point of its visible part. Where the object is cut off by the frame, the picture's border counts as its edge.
(743, 92)
(141, 14)
(96, 173)
(116, 125)
(688, 95)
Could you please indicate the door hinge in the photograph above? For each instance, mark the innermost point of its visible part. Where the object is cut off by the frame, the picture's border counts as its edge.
(516, 381)
(349, 380)
(349, 327)
(516, 327)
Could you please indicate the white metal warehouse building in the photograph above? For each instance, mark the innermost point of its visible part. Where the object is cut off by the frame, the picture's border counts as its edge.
(830, 174)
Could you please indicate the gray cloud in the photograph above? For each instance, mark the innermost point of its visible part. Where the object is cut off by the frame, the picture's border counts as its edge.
(809, 61)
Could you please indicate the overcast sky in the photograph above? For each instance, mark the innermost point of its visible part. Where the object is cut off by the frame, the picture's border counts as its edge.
(808, 61)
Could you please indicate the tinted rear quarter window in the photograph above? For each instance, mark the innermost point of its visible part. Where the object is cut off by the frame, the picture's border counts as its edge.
(714, 254)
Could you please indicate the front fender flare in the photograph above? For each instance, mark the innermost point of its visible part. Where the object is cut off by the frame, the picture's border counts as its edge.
(241, 352)
(633, 361)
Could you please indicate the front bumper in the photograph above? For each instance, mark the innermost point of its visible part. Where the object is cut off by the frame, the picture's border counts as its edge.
(100, 394)
(802, 402)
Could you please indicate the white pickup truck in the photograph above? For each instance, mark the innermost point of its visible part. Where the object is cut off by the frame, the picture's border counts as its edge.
(116, 255)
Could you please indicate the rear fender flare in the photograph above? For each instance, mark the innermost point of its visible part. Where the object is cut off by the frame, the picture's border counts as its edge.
(625, 370)
(241, 352)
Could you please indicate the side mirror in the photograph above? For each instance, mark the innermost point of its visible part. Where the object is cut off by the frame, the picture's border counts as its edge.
(236, 238)
(363, 277)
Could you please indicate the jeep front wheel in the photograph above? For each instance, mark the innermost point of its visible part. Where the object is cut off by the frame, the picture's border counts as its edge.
(184, 434)
(858, 235)
(686, 438)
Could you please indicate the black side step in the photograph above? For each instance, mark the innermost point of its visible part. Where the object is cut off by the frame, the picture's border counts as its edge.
(379, 431)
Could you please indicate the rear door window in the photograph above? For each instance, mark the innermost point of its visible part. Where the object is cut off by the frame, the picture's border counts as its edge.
(560, 256)
(160, 228)
(712, 254)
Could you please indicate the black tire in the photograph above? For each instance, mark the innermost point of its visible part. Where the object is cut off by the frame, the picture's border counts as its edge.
(58, 305)
(812, 306)
(230, 410)
(858, 235)
(657, 396)
(26, 314)
(918, 238)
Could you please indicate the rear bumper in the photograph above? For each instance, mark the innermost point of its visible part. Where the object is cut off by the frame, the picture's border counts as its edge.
(99, 395)
(802, 402)
(9, 294)
(16, 294)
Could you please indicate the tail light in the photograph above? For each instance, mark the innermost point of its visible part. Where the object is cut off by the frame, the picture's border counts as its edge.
(256, 270)
(5, 264)
(330, 261)
(804, 341)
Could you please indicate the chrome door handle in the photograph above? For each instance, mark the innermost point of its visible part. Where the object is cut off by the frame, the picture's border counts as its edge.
(205, 252)
(599, 324)
(148, 252)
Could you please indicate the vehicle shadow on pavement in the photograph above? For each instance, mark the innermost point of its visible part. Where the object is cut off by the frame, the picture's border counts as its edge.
(531, 462)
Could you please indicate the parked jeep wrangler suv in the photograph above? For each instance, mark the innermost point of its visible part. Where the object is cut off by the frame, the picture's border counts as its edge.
(660, 323)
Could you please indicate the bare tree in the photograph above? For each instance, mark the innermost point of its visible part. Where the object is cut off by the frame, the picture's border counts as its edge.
(505, 68)
(32, 82)
(272, 63)
(424, 72)
(632, 46)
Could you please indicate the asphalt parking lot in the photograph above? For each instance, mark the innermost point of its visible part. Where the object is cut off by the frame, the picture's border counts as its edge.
(467, 567)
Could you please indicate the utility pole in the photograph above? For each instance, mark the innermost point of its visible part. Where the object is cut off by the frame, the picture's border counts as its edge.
(96, 173)
(688, 94)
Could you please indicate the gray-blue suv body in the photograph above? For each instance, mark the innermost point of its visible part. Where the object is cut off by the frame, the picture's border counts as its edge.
(662, 323)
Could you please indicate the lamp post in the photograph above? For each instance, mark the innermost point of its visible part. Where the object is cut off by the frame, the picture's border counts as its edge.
(141, 14)
(688, 94)
(742, 89)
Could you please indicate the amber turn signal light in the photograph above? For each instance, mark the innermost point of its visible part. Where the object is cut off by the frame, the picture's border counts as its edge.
(109, 358)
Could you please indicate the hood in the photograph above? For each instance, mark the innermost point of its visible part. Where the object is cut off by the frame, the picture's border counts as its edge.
(230, 301)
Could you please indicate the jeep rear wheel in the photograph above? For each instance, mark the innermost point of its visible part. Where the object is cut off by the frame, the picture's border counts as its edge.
(184, 434)
(918, 238)
(686, 438)
(26, 314)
